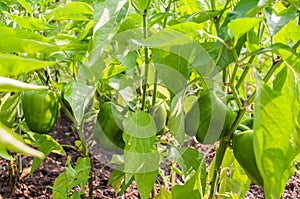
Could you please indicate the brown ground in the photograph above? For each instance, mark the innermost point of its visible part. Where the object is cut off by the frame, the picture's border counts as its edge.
(35, 186)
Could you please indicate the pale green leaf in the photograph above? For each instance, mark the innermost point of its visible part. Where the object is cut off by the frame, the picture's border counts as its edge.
(79, 95)
(276, 22)
(4, 154)
(179, 45)
(140, 125)
(26, 5)
(141, 5)
(71, 11)
(12, 85)
(188, 159)
(286, 53)
(108, 17)
(112, 70)
(29, 23)
(287, 33)
(15, 65)
(62, 186)
(273, 129)
(191, 188)
(163, 194)
(8, 108)
(241, 26)
(24, 41)
(11, 141)
(83, 168)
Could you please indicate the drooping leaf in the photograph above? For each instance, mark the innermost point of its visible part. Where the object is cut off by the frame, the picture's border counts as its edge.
(238, 183)
(4, 154)
(12, 85)
(11, 141)
(190, 6)
(179, 44)
(112, 70)
(273, 129)
(72, 177)
(15, 65)
(83, 168)
(202, 16)
(46, 144)
(190, 160)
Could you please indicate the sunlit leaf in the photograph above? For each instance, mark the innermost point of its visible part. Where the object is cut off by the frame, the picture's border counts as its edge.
(273, 128)
(79, 95)
(15, 65)
(11, 141)
(71, 11)
(241, 26)
(8, 108)
(276, 22)
(108, 17)
(163, 194)
(191, 188)
(30, 23)
(26, 5)
(12, 85)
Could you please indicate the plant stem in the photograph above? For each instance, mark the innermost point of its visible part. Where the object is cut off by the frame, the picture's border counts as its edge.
(219, 159)
(11, 175)
(156, 73)
(146, 61)
(245, 72)
(19, 119)
(224, 142)
(90, 181)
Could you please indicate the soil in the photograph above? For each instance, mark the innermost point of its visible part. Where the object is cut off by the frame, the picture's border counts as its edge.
(35, 186)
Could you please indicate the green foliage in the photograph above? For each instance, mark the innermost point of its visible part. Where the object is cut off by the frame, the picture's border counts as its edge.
(153, 61)
(72, 177)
